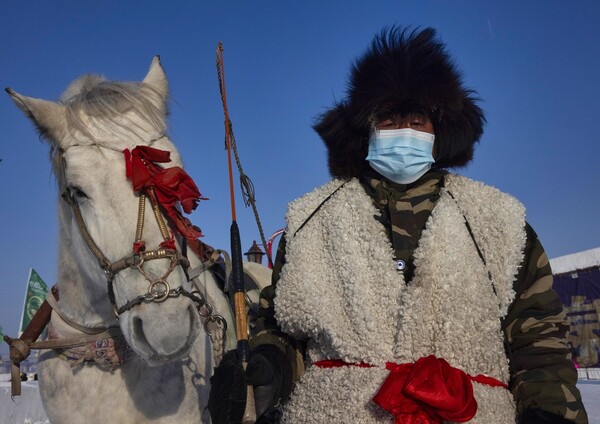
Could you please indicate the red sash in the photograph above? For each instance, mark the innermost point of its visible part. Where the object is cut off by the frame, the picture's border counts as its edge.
(427, 392)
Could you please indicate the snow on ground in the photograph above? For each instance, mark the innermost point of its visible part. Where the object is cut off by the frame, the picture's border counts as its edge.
(27, 409)
(590, 393)
(24, 409)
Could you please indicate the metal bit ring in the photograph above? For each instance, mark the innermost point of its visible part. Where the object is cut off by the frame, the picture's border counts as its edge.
(157, 294)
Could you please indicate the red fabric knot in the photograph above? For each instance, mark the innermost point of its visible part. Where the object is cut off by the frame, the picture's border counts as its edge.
(169, 244)
(171, 185)
(139, 246)
(427, 392)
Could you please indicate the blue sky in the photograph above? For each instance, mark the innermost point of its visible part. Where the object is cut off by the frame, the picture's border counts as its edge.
(534, 63)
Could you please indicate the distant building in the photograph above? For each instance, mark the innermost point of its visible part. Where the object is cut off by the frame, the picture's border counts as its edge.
(577, 282)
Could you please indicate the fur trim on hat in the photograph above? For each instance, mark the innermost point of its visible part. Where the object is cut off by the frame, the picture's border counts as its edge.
(402, 72)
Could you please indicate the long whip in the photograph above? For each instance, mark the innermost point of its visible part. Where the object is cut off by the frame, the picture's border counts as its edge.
(239, 295)
(247, 187)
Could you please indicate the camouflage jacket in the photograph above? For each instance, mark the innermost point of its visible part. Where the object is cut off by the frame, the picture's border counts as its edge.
(542, 374)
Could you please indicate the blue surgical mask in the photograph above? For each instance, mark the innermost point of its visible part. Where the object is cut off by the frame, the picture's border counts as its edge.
(402, 156)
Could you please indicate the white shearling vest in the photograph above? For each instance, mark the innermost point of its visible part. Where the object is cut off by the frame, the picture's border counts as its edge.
(340, 290)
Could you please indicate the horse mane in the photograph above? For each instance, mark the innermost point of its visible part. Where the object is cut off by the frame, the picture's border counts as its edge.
(94, 96)
(105, 100)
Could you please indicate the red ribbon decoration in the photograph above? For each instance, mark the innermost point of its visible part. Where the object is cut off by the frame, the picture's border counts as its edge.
(427, 392)
(171, 185)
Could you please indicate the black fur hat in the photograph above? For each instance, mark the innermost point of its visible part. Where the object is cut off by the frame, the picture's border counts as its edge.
(402, 72)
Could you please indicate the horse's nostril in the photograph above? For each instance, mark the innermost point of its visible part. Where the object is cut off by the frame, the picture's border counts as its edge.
(139, 338)
(138, 326)
(163, 332)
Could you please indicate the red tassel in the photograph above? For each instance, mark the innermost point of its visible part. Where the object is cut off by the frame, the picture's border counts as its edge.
(171, 185)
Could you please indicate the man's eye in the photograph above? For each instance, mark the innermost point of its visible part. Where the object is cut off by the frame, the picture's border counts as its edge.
(385, 124)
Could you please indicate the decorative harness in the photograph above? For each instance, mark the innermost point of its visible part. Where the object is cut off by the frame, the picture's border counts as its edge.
(147, 177)
(159, 289)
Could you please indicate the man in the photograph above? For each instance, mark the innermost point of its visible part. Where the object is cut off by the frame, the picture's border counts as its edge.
(404, 293)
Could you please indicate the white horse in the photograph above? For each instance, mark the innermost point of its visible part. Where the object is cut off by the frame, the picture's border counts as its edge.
(156, 362)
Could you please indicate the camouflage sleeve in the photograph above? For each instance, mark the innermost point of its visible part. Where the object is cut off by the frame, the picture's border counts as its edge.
(267, 330)
(543, 377)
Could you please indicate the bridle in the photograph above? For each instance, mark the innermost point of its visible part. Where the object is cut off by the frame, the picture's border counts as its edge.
(159, 289)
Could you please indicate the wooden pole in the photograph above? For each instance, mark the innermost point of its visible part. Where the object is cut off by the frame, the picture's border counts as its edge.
(237, 274)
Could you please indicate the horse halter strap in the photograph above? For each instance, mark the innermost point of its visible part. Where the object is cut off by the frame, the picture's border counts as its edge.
(159, 289)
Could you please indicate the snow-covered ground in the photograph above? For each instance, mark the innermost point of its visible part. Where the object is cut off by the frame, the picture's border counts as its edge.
(24, 409)
(27, 409)
(590, 392)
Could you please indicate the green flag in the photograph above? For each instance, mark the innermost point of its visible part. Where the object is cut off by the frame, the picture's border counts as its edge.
(36, 293)
(1, 333)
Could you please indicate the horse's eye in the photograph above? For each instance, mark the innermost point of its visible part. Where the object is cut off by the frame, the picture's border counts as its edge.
(77, 192)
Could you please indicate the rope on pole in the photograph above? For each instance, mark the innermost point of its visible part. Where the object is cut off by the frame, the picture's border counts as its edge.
(237, 274)
(247, 187)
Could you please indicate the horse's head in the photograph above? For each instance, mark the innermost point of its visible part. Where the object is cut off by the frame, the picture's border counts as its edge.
(104, 266)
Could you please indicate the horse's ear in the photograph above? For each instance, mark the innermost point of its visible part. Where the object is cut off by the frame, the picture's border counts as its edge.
(156, 77)
(48, 117)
